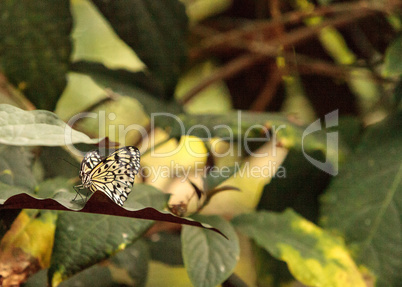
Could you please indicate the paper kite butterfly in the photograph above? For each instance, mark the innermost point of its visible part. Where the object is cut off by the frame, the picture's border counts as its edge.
(113, 175)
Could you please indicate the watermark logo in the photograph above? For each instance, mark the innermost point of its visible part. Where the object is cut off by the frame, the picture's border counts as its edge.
(239, 140)
(330, 167)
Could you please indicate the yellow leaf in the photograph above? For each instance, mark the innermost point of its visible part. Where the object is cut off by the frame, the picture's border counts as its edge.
(27, 246)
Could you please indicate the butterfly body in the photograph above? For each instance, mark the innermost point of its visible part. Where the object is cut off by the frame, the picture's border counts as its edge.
(114, 175)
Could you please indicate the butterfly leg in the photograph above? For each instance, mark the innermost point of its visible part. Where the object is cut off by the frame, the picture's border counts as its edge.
(87, 196)
(76, 188)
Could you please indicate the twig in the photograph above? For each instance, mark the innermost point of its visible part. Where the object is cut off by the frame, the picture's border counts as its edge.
(275, 75)
(262, 50)
(14, 96)
(216, 42)
(268, 92)
(224, 72)
(270, 48)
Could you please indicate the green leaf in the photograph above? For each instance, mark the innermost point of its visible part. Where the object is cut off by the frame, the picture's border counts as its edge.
(39, 127)
(364, 203)
(123, 111)
(138, 86)
(314, 257)
(15, 170)
(350, 130)
(95, 41)
(85, 239)
(133, 261)
(57, 161)
(156, 30)
(166, 249)
(52, 187)
(127, 268)
(208, 257)
(393, 58)
(35, 47)
(299, 190)
(7, 191)
(82, 240)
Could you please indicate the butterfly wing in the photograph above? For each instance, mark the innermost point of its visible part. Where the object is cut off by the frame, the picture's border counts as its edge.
(115, 174)
(90, 160)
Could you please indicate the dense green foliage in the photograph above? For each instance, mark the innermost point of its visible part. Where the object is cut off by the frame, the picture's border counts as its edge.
(316, 88)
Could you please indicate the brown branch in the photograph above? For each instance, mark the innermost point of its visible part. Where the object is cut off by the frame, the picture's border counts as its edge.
(261, 50)
(276, 15)
(268, 92)
(224, 72)
(355, 11)
(271, 48)
(264, 50)
(275, 75)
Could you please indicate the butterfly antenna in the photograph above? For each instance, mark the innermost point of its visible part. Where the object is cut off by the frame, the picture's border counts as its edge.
(77, 166)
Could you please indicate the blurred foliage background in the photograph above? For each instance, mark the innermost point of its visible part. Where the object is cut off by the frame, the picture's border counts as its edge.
(281, 63)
